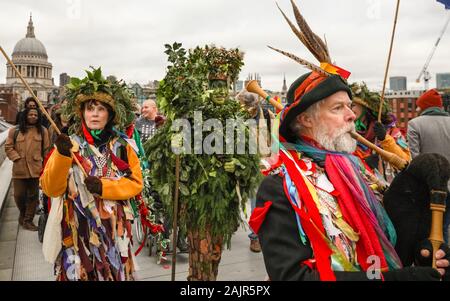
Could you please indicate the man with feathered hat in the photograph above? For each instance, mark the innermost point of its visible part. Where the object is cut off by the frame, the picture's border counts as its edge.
(316, 216)
(96, 215)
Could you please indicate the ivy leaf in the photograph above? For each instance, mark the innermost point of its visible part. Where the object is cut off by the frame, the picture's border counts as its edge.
(97, 74)
(184, 190)
(75, 81)
(165, 189)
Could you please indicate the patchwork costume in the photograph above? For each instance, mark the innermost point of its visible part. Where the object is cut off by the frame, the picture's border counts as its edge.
(96, 233)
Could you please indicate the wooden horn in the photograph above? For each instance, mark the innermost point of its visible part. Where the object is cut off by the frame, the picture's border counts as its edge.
(393, 159)
(253, 86)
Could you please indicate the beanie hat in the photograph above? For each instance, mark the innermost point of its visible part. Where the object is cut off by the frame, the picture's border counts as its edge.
(429, 99)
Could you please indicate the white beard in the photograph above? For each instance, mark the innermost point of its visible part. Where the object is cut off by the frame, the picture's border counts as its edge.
(341, 142)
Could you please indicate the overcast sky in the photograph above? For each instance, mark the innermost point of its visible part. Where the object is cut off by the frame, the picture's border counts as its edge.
(127, 38)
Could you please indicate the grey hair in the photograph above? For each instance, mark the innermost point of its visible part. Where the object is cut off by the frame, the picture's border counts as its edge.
(295, 127)
(247, 98)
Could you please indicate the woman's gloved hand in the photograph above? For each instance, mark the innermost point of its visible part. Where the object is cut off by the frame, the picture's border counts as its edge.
(380, 131)
(64, 145)
(93, 185)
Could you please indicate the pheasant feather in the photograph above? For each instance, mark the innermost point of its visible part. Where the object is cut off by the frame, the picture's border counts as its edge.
(303, 62)
(319, 49)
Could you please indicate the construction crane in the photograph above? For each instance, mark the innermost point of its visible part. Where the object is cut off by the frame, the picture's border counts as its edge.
(424, 72)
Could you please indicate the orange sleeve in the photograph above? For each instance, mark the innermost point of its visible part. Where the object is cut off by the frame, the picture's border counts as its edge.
(54, 178)
(125, 187)
(389, 144)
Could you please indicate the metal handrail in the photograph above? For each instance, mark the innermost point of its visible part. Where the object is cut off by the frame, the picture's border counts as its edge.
(5, 166)
(4, 134)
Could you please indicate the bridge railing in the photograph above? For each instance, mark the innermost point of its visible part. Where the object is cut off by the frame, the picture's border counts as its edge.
(5, 165)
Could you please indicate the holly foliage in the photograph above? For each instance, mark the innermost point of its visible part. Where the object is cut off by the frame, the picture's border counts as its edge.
(207, 193)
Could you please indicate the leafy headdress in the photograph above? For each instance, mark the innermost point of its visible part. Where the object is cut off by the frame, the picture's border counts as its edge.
(370, 100)
(223, 64)
(95, 87)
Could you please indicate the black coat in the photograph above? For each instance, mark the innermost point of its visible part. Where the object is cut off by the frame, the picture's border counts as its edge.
(406, 202)
(280, 239)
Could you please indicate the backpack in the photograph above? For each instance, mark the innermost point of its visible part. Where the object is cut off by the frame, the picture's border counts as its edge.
(17, 131)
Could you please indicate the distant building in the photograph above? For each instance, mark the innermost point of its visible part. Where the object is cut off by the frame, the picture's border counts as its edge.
(138, 92)
(403, 104)
(239, 85)
(254, 76)
(30, 58)
(8, 105)
(64, 79)
(397, 83)
(150, 89)
(143, 92)
(443, 80)
(284, 91)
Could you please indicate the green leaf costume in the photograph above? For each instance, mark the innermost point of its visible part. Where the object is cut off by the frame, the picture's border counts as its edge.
(211, 198)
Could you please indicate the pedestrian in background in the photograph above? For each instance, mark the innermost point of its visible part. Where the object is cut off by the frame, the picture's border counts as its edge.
(430, 133)
(26, 146)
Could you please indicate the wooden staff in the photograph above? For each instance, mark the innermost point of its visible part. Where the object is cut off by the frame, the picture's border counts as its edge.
(388, 62)
(41, 107)
(175, 216)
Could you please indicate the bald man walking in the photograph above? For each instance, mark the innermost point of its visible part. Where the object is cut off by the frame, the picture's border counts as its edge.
(147, 123)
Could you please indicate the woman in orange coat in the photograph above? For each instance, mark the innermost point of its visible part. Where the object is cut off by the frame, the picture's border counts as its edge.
(97, 214)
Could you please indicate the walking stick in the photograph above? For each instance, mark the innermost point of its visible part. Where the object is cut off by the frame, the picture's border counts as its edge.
(388, 62)
(175, 216)
(41, 107)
